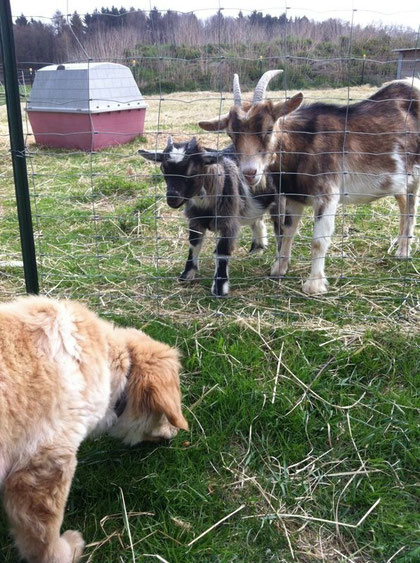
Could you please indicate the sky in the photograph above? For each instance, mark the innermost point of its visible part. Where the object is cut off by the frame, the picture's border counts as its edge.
(367, 11)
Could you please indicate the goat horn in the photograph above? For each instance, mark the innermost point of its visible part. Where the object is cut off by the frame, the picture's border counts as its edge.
(236, 91)
(170, 142)
(259, 93)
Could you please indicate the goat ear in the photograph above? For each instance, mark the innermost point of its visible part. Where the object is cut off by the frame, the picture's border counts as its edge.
(192, 144)
(156, 156)
(284, 108)
(217, 124)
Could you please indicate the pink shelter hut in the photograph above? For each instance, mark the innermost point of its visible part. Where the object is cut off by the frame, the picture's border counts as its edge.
(86, 106)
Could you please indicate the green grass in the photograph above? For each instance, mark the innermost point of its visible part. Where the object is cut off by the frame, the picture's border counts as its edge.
(277, 440)
(24, 93)
(299, 406)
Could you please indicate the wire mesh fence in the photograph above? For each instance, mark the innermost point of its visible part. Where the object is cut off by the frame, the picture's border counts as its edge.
(104, 232)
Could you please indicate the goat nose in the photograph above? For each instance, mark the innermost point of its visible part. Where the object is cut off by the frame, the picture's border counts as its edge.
(250, 174)
(174, 199)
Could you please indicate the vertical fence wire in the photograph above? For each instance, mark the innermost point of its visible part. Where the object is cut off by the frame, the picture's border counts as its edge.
(158, 282)
(409, 196)
(94, 218)
(281, 217)
(344, 173)
(219, 195)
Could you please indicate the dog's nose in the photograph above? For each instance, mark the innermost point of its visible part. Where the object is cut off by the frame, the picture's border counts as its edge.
(250, 174)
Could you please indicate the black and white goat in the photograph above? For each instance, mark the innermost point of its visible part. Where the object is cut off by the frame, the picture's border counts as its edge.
(217, 198)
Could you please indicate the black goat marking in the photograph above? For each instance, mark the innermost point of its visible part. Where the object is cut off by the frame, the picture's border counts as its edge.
(288, 220)
(189, 266)
(220, 286)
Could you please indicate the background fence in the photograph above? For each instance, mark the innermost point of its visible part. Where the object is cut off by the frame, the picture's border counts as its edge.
(102, 229)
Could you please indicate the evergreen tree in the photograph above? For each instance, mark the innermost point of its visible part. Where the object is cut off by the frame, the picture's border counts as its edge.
(58, 22)
(21, 21)
(77, 24)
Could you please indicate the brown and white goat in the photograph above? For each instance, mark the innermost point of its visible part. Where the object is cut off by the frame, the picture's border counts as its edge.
(324, 154)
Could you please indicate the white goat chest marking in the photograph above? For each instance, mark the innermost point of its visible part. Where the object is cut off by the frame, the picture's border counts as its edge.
(202, 200)
(252, 210)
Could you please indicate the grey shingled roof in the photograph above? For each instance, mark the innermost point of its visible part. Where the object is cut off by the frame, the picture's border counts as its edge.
(84, 88)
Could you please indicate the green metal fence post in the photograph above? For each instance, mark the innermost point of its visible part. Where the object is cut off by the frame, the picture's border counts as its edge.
(17, 146)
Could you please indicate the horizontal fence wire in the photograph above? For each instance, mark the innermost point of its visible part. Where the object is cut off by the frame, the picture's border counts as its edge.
(105, 233)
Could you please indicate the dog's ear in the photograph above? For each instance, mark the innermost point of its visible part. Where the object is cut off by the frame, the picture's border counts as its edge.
(154, 379)
(168, 402)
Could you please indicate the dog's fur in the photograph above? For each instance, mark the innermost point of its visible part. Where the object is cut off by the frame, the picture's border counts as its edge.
(64, 373)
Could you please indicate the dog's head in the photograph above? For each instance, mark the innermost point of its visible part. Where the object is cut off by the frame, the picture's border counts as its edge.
(151, 406)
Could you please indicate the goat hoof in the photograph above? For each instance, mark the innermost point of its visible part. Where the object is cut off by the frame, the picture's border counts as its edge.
(278, 270)
(257, 248)
(220, 288)
(315, 286)
(402, 254)
(188, 275)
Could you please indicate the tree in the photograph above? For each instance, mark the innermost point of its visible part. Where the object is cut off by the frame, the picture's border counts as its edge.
(77, 24)
(21, 21)
(256, 18)
(35, 43)
(93, 20)
(283, 19)
(58, 22)
(154, 24)
(136, 18)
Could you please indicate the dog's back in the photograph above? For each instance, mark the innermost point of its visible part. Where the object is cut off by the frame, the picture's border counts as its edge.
(41, 372)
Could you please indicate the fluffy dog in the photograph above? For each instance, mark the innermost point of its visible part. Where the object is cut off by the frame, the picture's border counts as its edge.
(64, 373)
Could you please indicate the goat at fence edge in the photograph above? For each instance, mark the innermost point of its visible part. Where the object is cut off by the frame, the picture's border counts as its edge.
(326, 154)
